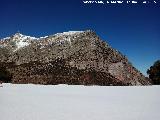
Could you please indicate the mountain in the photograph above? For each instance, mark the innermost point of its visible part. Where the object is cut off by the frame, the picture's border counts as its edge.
(74, 57)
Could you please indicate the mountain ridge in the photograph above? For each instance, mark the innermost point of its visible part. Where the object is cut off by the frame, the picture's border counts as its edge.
(81, 51)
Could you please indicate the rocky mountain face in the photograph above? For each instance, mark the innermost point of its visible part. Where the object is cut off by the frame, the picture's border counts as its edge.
(77, 57)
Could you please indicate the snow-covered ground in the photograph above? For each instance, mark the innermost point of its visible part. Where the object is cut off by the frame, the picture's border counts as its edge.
(63, 102)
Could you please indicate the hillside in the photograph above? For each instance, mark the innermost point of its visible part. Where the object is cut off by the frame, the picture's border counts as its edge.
(75, 57)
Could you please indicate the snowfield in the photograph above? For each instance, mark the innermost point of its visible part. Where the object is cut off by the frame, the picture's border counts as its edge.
(66, 102)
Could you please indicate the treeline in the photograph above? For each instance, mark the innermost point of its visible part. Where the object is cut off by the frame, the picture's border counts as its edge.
(55, 72)
(5, 75)
(154, 73)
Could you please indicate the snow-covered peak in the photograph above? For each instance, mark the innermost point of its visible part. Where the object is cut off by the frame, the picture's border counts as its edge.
(19, 40)
(19, 37)
(69, 33)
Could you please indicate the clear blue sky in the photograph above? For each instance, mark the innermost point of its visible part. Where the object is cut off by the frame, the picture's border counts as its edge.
(132, 29)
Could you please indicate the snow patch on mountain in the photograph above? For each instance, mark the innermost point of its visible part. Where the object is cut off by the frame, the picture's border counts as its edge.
(69, 33)
(22, 40)
(21, 37)
(43, 37)
(21, 44)
(1, 46)
(19, 40)
(6, 38)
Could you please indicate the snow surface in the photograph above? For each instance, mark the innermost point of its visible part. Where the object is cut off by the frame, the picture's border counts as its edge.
(63, 102)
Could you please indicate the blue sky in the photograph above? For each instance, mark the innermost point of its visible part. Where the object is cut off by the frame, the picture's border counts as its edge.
(134, 30)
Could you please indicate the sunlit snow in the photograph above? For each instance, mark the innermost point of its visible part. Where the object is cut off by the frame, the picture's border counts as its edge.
(21, 44)
(68, 102)
(69, 33)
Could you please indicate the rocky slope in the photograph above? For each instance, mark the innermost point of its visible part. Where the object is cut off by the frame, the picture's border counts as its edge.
(77, 57)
